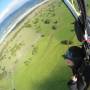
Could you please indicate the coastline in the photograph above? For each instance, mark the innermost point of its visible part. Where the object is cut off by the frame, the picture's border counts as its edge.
(20, 19)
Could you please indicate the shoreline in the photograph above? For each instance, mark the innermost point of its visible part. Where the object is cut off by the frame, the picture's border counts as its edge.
(21, 18)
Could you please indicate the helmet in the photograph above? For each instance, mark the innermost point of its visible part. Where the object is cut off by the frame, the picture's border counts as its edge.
(74, 53)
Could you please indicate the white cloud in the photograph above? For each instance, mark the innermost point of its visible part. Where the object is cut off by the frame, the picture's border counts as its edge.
(10, 8)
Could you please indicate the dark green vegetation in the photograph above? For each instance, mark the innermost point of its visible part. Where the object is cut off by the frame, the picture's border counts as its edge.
(43, 67)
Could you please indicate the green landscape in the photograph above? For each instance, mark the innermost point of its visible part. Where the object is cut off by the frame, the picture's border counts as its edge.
(32, 55)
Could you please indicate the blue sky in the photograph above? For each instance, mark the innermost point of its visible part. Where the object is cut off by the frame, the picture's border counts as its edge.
(3, 4)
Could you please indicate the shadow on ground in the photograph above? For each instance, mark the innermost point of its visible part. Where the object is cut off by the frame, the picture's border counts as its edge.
(56, 81)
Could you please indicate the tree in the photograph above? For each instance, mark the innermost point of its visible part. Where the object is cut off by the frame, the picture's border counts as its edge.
(54, 27)
(47, 21)
(66, 42)
(42, 35)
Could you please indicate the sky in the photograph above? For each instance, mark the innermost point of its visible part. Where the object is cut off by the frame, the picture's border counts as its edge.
(8, 6)
(3, 4)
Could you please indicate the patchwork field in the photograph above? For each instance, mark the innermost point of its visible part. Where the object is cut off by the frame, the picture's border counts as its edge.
(31, 58)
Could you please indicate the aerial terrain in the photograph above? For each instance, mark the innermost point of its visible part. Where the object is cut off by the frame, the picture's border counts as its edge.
(32, 55)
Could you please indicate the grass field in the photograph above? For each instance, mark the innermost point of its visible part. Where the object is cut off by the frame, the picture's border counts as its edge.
(32, 57)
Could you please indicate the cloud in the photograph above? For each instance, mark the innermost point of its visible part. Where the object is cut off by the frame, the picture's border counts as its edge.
(14, 4)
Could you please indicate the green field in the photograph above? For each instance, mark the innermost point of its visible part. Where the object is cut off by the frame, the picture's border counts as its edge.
(32, 57)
